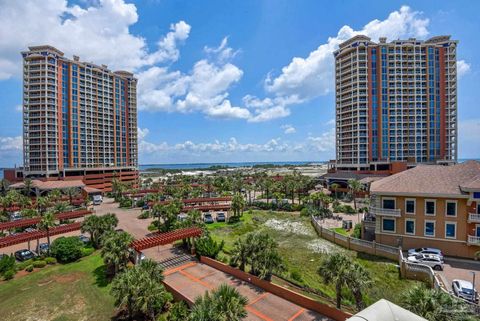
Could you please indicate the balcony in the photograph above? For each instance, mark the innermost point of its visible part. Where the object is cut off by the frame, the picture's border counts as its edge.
(473, 240)
(385, 211)
(473, 218)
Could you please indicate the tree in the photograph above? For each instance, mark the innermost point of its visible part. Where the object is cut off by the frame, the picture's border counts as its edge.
(238, 205)
(206, 246)
(42, 204)
(335, 188)
(333, 270)
(4, 184)
(358, 279)
(54, 195)
(178, 312)
(46, 223)
(355, 186)
(139, 290)
(71, 192)
(222, 304)
(435, 305)
(67, 249)
(27, 186)
(115, 250)
(98, 226)
(167, 215)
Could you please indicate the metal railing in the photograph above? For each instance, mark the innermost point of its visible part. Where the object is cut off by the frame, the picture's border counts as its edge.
(472, 217)
(474, 240)
(385, 211)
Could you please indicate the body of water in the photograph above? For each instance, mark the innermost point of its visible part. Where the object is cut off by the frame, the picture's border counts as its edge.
(187, 166)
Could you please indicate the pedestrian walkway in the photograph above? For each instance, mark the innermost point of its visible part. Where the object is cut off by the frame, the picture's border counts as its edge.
(193, 279)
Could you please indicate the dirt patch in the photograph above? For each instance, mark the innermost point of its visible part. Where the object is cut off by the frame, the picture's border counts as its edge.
(68, 278)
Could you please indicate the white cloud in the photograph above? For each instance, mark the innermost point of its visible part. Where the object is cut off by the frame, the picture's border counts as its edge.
(10, 150)
(288, 129)
(314, 75)
(463, 68)
(19, 108)
(330, 122)
(323, 143)
(97, 32)
(468, 143)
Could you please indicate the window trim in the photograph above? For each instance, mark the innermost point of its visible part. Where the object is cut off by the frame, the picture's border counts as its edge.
(390, 199)
(394, 225)
(414, 206)
(434, 207)
(414, 226)
(449, 237)
(456, 207)
(425, 228)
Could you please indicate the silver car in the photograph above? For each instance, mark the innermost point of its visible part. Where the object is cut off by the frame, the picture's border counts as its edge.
(464, 289)
(425, 250)
(433, 261)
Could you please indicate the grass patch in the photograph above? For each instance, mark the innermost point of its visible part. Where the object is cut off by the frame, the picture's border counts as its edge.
(75, 291)
(341, 231)
(302, 251)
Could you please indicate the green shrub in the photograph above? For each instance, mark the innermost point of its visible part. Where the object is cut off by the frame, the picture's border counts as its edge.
(296, 275)
(304, 212)
(206, 246)
(86, 251)
(29, 268)
(67, 249)
(39, 264)
(140, 203)
(144, 215)
(24, 264)
(357, 231)
(126, 202)
(51, 260)
(178, 311)
(7, 263)
(9, 274)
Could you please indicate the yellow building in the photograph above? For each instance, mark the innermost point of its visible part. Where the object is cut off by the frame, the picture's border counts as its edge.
(430, 206)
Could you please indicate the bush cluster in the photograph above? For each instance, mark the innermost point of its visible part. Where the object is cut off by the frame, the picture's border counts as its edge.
(343, 209)
(7, 267)
(67, 249)
(287, 207)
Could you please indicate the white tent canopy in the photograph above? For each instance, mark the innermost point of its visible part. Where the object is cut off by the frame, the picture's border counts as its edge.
(384, 310)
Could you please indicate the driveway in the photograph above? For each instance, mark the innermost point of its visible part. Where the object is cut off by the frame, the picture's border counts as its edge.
(461, 269)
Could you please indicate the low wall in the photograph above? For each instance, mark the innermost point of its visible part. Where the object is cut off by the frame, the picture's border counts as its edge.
(358, 245)
(282, 292)
(177, 296)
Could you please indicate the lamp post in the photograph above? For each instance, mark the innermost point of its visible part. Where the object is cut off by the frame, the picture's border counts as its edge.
(473, 295)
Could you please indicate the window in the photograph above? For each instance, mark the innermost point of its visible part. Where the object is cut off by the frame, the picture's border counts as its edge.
(410, 227)
(429, 207)
(388, 225)
(429, 228)
(451, 208)
(388, 203)
(410, 206)
(450, 230)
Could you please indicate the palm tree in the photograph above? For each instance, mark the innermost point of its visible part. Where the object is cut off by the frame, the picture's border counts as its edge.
(27, 186)
(42, 204)
(333, 270)
(98, 226)
(434, 305)
(238, 205)
(358, 279)
(46, 223)
(115, 251)
(54, 195)
(355, 186)
(4, 184)
(222, 304)
(71, 192)
(335, 188)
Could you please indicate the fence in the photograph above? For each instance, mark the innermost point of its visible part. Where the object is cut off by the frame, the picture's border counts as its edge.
(358, 245)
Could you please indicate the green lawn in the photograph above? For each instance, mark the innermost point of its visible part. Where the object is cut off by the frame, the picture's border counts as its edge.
(75, 291)
(302, 251)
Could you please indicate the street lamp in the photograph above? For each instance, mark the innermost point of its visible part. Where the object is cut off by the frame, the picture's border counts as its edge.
(473, 295)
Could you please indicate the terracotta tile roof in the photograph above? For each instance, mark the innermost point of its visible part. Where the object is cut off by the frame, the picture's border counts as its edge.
(431, 179)
(47, 185)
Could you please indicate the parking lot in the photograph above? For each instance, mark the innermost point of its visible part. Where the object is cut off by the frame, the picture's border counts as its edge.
(461, 269)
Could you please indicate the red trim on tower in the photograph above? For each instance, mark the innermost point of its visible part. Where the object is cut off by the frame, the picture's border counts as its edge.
(370, 103)
(443, 132)
(60, 116)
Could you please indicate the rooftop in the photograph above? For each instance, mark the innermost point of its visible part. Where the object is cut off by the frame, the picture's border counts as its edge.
(452, 180)
(48, 185)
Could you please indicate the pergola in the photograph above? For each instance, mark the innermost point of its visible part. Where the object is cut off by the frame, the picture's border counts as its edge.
(30, 236)
(36, 220)
(206, 208)
(165, 238)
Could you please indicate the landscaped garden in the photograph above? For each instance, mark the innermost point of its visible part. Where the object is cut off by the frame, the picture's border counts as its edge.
(302, 252)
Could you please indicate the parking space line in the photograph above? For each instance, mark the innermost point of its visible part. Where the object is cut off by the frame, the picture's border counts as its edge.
(299, 312)
(191, 277)
(258, 313)
(258, 298)
(179, 268)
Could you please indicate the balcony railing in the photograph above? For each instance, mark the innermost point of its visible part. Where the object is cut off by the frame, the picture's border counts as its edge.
(473, 240)
(385, 211)
(475, 218)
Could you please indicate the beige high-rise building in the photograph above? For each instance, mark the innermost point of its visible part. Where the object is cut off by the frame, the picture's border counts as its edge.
(78, 117)
(395, 101)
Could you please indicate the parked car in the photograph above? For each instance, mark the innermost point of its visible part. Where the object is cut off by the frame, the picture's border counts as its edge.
(432, 260)
(182, 217)
(425, 250)
(30, 229)
(220, 217)
(15, 216)
(133, 256)
(97, 199)
(464, 289)
(84, 239)
(207, 218)
(145, 206)
(42, 248)
(23, 255)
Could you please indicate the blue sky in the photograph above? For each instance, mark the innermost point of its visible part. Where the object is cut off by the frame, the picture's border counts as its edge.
(229, 80)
